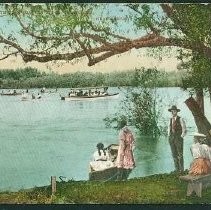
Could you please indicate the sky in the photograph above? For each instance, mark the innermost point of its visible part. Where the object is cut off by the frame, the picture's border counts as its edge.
(126, 61)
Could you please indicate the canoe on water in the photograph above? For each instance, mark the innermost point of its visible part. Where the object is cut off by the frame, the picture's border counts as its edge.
(79, 98)
(89, 93)
(10, 94)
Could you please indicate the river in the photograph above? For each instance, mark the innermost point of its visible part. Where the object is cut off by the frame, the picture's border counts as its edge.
(51, 137)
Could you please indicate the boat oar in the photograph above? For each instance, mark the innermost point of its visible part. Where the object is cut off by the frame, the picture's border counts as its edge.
(112, 177)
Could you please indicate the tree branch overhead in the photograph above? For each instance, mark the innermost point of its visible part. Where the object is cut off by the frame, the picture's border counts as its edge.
(97, 43)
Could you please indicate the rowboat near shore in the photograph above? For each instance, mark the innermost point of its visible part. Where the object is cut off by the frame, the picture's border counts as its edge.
(89, 93)
(110, 173)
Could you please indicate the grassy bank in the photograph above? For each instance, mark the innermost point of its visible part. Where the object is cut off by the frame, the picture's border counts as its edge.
(155, 189)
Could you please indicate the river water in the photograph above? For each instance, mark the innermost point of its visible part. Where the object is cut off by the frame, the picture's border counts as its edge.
(51, 137)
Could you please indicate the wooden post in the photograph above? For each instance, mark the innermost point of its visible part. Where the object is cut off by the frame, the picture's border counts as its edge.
(53, 184)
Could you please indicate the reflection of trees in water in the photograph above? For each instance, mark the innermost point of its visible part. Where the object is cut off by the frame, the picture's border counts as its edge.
(80, 104)
(104, 103)
(146, 153)
(85, 104)
(95, 104)
(154, 155)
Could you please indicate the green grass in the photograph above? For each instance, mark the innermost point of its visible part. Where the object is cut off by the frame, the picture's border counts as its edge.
(155, 189)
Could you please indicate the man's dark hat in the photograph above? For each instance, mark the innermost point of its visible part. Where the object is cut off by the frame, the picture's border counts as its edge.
(173, 108)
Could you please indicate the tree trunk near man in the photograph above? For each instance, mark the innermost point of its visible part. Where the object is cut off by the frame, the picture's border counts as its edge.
(201, 121)
(200, 99)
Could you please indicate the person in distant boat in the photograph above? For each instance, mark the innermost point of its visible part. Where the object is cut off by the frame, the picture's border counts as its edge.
(89, 94)
(80, 93)
(101, 159)
(105, 89)
(85, 93)
(104, 92)
(125, 159)
(24, 95)
(27, 90)
(14, 91)
(200, 151)
(95, 93)
(42, 90)
(38, 96)
(71, 93)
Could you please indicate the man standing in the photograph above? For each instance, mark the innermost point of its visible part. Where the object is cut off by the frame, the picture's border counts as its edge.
(176, 133)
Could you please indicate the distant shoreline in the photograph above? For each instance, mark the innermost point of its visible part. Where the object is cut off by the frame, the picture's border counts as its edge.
(33, 78)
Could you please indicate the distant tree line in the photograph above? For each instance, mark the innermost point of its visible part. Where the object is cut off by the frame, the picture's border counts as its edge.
(34, 78)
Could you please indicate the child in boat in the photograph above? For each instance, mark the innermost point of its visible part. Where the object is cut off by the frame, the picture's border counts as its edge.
(101, 159)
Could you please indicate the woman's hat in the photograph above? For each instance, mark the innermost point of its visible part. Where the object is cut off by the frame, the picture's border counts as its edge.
(122, 122)
(100, 145)
(199, 135)
(173, 108)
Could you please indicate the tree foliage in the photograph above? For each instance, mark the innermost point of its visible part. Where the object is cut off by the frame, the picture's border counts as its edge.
(142, 105)
(55, 32)
(198, 74)
(21, 73)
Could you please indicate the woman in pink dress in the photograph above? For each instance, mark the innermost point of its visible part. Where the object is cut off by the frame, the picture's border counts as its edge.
(125, 159)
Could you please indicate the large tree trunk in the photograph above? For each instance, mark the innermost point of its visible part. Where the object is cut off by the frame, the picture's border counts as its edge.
(200, 99)
(201, 121)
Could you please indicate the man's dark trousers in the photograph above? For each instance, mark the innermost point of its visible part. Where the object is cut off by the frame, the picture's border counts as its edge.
(176, 144)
